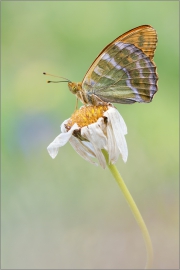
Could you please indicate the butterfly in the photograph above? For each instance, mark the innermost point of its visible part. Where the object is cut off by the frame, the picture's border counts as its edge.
(123, 72)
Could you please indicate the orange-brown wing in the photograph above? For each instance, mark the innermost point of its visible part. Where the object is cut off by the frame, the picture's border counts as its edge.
(124, 71)
(143, 37)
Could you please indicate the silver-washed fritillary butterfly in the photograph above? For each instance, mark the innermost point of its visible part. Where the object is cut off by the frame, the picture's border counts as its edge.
(124, 72)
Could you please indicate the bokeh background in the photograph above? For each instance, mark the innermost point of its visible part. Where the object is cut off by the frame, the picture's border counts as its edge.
(67, 213)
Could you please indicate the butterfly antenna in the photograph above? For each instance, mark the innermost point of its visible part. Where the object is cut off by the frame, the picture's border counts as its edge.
(66, 80)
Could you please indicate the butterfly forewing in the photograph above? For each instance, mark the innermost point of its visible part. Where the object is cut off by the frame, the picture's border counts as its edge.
(143, 37)
(124, 71)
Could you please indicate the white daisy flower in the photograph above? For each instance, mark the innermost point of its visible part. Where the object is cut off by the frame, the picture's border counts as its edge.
(91, 129)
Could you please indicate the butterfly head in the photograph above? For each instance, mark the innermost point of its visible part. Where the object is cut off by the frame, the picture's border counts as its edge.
(74, 87)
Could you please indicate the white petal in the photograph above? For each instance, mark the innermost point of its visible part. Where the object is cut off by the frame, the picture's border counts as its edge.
(59, 141)
(97, 138)
(113, 149)
(90, 148)
(116, 117)
(81, 149)
(119, 130)
(63, 128)
(95, 133)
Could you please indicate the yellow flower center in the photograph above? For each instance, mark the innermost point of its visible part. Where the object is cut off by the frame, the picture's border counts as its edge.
(86, 115)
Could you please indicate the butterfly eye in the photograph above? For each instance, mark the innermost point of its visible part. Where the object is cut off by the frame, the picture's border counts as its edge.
(73, 87)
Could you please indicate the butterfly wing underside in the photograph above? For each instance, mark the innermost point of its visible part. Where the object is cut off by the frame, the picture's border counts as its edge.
(124, 72)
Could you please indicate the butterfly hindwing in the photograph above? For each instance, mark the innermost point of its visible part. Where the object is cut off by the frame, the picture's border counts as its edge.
(124, 71)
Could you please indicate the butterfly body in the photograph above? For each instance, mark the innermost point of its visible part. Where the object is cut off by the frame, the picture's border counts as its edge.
(124, 72)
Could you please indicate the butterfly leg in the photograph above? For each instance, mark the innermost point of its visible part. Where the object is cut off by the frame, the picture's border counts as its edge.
(76, 104)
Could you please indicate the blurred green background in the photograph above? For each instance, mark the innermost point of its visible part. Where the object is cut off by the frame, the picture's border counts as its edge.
(67, 213)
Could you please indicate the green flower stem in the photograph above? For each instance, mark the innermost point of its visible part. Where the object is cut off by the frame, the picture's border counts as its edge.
(134, 210)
